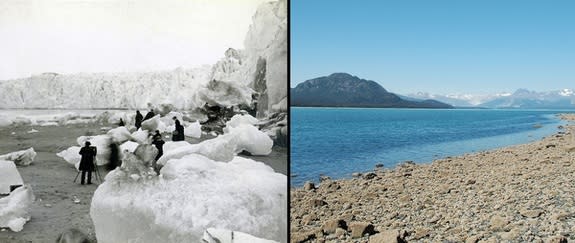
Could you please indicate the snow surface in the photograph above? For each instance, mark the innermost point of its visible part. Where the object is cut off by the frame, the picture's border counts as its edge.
(22, 157)
(192, 194)
(14, 208)
(213, 235)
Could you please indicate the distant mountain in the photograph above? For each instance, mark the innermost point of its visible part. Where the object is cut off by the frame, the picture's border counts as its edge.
(525, 99)
(522, 98)
(345, 90)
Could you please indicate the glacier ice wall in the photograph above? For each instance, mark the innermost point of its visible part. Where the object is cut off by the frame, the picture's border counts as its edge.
(260, 68)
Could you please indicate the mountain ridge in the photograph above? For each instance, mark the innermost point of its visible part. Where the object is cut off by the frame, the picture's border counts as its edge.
(345, 90)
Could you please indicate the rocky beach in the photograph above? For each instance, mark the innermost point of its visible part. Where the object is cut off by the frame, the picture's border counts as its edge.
(521, 193)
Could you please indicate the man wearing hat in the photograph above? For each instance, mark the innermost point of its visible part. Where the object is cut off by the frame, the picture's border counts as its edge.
(87, 162)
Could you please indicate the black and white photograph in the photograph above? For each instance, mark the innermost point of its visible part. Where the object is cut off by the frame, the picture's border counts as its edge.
(144, 121)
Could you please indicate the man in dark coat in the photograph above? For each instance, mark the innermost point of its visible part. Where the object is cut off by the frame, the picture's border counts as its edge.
(159, 143)
(121, 124)
(139, 119)
(114, 156)
(178, 134)
(149, 115)
(87, 162)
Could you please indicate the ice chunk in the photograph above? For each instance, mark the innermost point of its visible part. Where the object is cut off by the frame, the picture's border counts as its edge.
(151, 124)
(71, 155)
(46, 124)
(238, 119)
(32, 131)
(9, 177)
(193, 130)
(120, 134)
(192, 194)
(249, 138)
(14, 208)
(22, 157)
(213, 235)
(141, 136)
(129, 146)
(223, 148)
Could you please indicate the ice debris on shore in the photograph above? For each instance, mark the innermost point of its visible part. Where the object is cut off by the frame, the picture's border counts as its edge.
(14, 208)
(213, 235)
(22, 157)
(191, 194)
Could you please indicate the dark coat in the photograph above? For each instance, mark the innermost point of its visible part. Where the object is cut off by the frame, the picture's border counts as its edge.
(149, 115)
(159, 143)
(114, 157)
(178, 134)
(87, 161)
(139, 119)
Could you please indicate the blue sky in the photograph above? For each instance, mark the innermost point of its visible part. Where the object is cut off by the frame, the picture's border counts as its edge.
(440, 46)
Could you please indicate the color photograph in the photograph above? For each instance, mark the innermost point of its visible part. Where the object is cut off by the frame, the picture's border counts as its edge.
(432, 121)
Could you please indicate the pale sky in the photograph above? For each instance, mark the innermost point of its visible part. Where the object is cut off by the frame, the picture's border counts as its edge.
(72, 36)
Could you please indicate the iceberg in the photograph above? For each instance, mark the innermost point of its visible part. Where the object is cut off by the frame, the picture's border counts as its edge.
(191, 194)
(23, 157)
(120, 134)
(9, 177)
(193, 130)
(224, 147)
(14, 208)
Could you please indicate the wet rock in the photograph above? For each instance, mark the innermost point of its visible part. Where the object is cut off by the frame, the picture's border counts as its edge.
(369, 176)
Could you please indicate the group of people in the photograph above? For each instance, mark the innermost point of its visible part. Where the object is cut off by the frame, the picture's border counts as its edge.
(89, 152)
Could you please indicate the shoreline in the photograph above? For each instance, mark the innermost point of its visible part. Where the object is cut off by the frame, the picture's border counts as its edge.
(427, 153)
(521, 192)
(51, 179)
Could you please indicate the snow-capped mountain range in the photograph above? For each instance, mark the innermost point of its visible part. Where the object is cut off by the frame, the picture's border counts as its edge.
(521, 98)
(258, 71)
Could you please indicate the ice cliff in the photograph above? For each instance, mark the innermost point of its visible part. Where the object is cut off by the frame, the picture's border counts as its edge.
(259, 71)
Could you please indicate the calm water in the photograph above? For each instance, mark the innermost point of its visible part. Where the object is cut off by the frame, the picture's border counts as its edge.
(339, 141)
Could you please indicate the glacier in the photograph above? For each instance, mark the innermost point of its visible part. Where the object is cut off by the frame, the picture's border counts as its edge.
(253, 76)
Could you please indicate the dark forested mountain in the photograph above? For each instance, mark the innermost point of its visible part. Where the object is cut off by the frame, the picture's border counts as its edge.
(345, 90)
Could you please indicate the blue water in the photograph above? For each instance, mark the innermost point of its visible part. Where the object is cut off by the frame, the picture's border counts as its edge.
(339, 141)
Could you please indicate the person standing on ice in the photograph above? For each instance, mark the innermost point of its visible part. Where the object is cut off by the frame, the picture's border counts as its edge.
(87, 162)
(139, 119)
(149, 115)
(178, 134)
(121, 124)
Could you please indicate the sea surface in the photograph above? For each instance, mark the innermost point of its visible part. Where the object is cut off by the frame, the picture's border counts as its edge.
(337, 142)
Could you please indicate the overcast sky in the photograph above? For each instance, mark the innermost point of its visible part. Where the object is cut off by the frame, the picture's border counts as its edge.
(71, 36)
